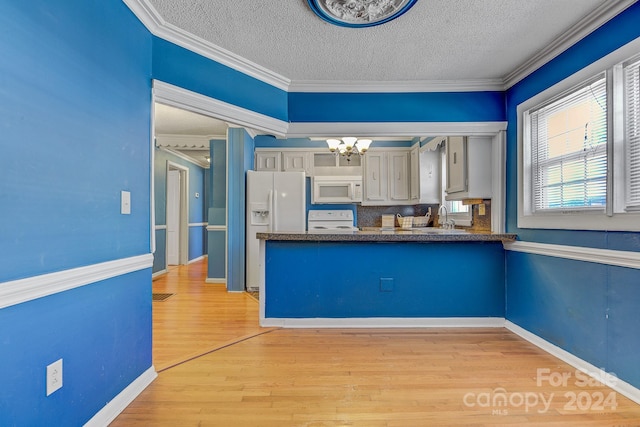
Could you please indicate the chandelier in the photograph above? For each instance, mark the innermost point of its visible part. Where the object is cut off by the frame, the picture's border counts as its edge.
(348, 146)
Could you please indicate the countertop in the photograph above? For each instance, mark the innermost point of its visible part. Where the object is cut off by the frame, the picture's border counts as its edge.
(375, 234)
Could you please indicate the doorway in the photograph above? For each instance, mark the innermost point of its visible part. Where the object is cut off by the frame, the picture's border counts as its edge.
(177, 214)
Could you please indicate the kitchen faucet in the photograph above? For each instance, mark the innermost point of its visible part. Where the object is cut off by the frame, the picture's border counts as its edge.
(447, 224)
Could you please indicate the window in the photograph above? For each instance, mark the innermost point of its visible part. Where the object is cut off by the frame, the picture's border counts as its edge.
(568, 140)
(579, 149)
(631, 90)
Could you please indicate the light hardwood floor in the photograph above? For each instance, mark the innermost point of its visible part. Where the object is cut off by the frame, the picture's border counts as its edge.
(353, 377)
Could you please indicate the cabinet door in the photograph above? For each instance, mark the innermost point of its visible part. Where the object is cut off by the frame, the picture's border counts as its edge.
(295, 161)
(456, 164)
(414, 185)
(375, 182)
(267, 161)
(399, 175)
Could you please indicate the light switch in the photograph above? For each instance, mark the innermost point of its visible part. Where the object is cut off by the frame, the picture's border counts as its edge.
(125, 202)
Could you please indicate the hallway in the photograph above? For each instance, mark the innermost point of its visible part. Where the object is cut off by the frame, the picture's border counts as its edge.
(198, 317)
(252, 376)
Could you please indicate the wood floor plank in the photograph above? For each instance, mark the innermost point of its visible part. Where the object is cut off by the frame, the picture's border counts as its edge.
(370, 378)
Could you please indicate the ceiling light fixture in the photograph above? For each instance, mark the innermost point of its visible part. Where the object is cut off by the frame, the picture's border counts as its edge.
(359, 13)
(348, 146)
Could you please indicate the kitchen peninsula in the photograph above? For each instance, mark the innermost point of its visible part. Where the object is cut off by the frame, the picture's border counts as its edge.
(378, 278)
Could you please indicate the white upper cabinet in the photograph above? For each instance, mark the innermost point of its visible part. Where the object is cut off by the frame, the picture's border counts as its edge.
(280, 160)
(375, 178)
(267, 161)
(296, 161)
(386, 177)
(456, 164)
(399, 176)
(429, 176)
(468, 164)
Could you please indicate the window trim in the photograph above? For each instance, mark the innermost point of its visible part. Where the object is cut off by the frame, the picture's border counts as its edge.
(612, 218)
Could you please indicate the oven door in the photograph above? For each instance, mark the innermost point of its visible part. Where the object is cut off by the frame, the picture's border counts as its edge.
(337, 189)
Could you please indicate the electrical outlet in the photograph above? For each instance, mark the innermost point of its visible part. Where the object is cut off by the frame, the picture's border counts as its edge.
(54, 376)
(482, 209)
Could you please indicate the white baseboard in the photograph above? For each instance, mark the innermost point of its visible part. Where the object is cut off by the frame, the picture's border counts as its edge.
(118, 404)
(214, 280)
(200, 258)
(620, 386)
(159, 273)
(386, 322)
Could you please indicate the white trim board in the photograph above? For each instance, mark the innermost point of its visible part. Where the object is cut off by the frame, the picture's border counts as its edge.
(198, 224)
(219, 281)
(175, 96)
(396, 129)
(601, 256)
(620, 386)
(385, 322)
(23, 290)
(118, 404)
(216, 228)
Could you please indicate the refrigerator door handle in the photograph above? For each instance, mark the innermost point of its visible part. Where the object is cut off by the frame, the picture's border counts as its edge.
(272, 212)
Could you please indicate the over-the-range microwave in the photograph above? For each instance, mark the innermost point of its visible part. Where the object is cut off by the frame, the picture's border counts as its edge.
(337, 189)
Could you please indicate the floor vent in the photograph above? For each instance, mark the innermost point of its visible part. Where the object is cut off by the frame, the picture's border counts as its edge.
(160, 297)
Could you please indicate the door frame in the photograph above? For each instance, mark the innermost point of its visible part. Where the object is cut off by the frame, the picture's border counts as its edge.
(183, 227)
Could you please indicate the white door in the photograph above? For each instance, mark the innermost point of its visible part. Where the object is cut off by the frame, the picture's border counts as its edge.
(173, 217)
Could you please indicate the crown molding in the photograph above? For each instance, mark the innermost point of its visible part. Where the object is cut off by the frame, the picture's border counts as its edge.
(151, 19)
(606, 11)
(397, 86)
(191, 101)
(396, 129)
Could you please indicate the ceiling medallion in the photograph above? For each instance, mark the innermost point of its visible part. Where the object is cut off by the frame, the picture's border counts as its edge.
(359, 13)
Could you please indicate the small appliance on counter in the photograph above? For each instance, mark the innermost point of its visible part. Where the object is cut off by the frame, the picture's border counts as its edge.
(331, 221)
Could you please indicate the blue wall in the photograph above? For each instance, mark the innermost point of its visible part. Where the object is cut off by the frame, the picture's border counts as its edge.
(240, 157)
(181, 67)
(585, 308)
(340, 280)
(198, 210)
(74, 117)
(397, 107)
(217, 239)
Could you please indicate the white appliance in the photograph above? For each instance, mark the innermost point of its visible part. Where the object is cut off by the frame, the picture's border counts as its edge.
(337, 189)
(276, 201)
(331, 221)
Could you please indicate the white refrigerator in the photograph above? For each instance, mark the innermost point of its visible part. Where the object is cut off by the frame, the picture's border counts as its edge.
(276, 201)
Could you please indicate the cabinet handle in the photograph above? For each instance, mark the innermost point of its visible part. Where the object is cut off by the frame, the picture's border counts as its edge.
(374, 176)
(455, 158)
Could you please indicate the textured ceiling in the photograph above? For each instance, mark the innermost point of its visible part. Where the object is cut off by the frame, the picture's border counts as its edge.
(435, 40)
(174, 121)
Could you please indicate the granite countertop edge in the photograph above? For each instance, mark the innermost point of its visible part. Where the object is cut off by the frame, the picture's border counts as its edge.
(371, 236)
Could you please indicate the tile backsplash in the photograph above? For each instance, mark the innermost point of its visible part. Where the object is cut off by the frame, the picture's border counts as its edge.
(371, 216)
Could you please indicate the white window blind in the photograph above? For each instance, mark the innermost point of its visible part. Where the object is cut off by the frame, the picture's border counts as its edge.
(569, 150)
(632, 132)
